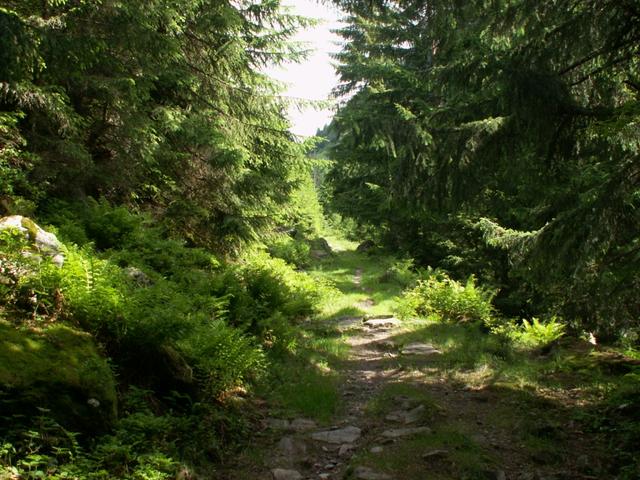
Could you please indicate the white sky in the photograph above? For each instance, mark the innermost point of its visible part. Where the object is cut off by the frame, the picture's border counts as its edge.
(315, 77)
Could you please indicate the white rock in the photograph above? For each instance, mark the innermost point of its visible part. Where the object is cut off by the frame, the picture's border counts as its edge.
(376, 449)
(45, 242)
(282, 474)
(292, 448)
(382, 322)
(404, 432)
(302, 425)
(341, 435)
(418, 348)
(435, 454)
(346, 323)
(345, 449)
(277, 423)
(405, 416)
(365, 473)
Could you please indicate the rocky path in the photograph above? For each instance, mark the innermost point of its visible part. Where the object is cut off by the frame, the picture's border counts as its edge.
(306, 452)
(439, 428)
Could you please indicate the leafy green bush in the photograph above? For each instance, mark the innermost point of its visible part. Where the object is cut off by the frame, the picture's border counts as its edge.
(265, 290)
(452, 301)
(537, 334)
(223, 356)
(295, 252)
(400, 272)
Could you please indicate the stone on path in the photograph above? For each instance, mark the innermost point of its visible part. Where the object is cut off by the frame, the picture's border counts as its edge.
(365, 473)
(345, 323)
(407, 417)
(277, 423)
(404, 432)
(282, 474)
(434, 454)
(341, 435)
(345, 449)
(302, 425)
(382, 322)
(418, 348)
(293, 449)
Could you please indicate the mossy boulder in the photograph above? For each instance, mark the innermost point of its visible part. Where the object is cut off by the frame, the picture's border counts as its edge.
(59, 369)
(44, 243)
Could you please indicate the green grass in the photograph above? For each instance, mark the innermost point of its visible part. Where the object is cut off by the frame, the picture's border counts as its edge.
(386, 400)
(302, 388)
(340, 269)
(464, 458)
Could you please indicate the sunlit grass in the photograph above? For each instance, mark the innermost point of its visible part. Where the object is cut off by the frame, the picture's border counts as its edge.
(463, 457)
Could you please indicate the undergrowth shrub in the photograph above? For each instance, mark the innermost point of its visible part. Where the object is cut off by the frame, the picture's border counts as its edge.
(528, 335)
(400, 272)
(291, 250)
(452, 301)
(213, 319)
(536, 333)
(223, 356)
(264, 290)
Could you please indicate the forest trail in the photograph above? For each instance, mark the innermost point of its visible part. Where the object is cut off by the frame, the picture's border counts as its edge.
(406, 411)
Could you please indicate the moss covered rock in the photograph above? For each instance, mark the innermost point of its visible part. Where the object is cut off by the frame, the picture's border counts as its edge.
(59, 369)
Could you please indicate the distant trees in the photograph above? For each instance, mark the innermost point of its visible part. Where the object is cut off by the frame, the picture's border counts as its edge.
(500, 138)
(160, 103)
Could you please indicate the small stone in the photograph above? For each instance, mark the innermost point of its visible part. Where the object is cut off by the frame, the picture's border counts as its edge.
(324, 476)
(282, 474)
(341, 435)
(415, 414)
(434, 454)
(418, 348)
(382, 322)
(292, 448)
(404, 432)
(365, 473)
(330, 466)
(302, 425)
(277, 423)
(345, 449)
(406, 417)
(376, 449)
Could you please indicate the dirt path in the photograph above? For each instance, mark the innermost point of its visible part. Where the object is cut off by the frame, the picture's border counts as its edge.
(403, 416)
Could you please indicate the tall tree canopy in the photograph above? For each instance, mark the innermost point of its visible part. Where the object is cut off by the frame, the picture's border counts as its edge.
(160, 103)
(508, 130)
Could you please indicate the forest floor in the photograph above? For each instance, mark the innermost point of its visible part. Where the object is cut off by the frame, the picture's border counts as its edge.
(377, 398)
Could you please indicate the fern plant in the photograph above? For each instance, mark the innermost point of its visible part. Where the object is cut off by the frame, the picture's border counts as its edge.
(537, 333)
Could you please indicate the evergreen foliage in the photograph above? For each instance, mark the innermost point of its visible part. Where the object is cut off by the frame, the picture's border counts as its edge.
(160, 105)
(524, 114)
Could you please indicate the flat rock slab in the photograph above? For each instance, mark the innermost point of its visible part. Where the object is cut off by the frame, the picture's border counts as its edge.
(346, 323)
(339, 436)
(277, 423)
(302, 425)
(407, 416)
(404, 432)
(345, 449)
(282, 474)
(433, 454)
(365, 473)
(292, 448)
(382, 322)
(418, 348)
